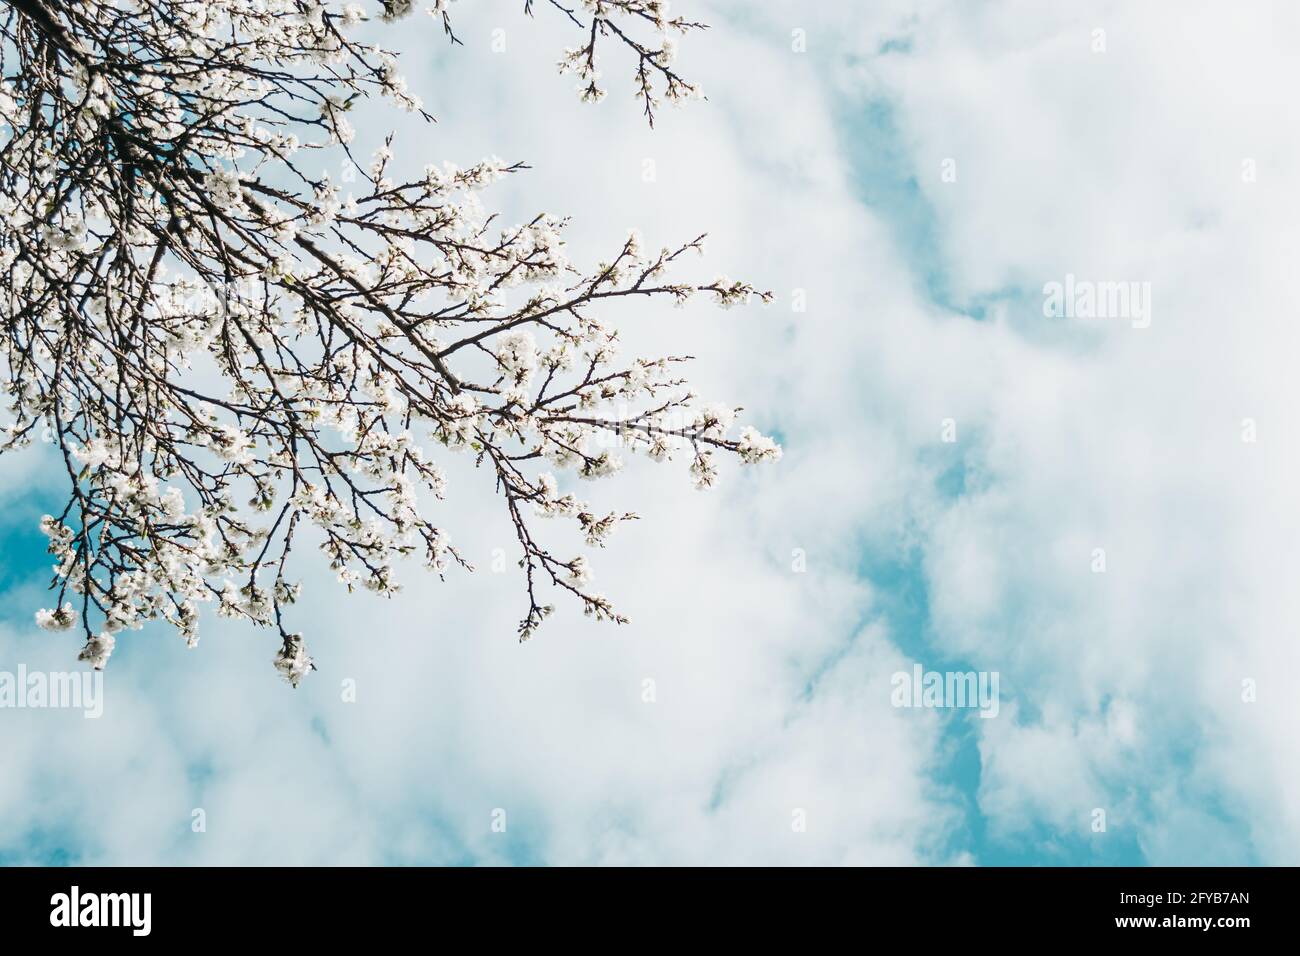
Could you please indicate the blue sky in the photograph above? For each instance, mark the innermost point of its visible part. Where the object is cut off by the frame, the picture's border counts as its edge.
(814, 170)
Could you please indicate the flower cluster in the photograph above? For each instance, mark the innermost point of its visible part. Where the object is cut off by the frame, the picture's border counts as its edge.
(654, 78)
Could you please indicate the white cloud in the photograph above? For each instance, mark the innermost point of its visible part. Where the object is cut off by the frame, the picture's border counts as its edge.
(1122, 165)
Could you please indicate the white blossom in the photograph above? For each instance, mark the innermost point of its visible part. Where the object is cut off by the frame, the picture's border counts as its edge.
(517, 354)
(292, 661)
(59, 619)
(98, 650)
(754, 447)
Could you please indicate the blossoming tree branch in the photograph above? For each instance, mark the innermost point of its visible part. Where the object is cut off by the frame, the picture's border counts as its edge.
(234, 357)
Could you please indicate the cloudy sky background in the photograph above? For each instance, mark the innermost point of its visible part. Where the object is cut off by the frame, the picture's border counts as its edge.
(819, 171)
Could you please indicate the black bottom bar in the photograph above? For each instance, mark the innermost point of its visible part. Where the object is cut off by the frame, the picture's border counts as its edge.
(776, 905)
